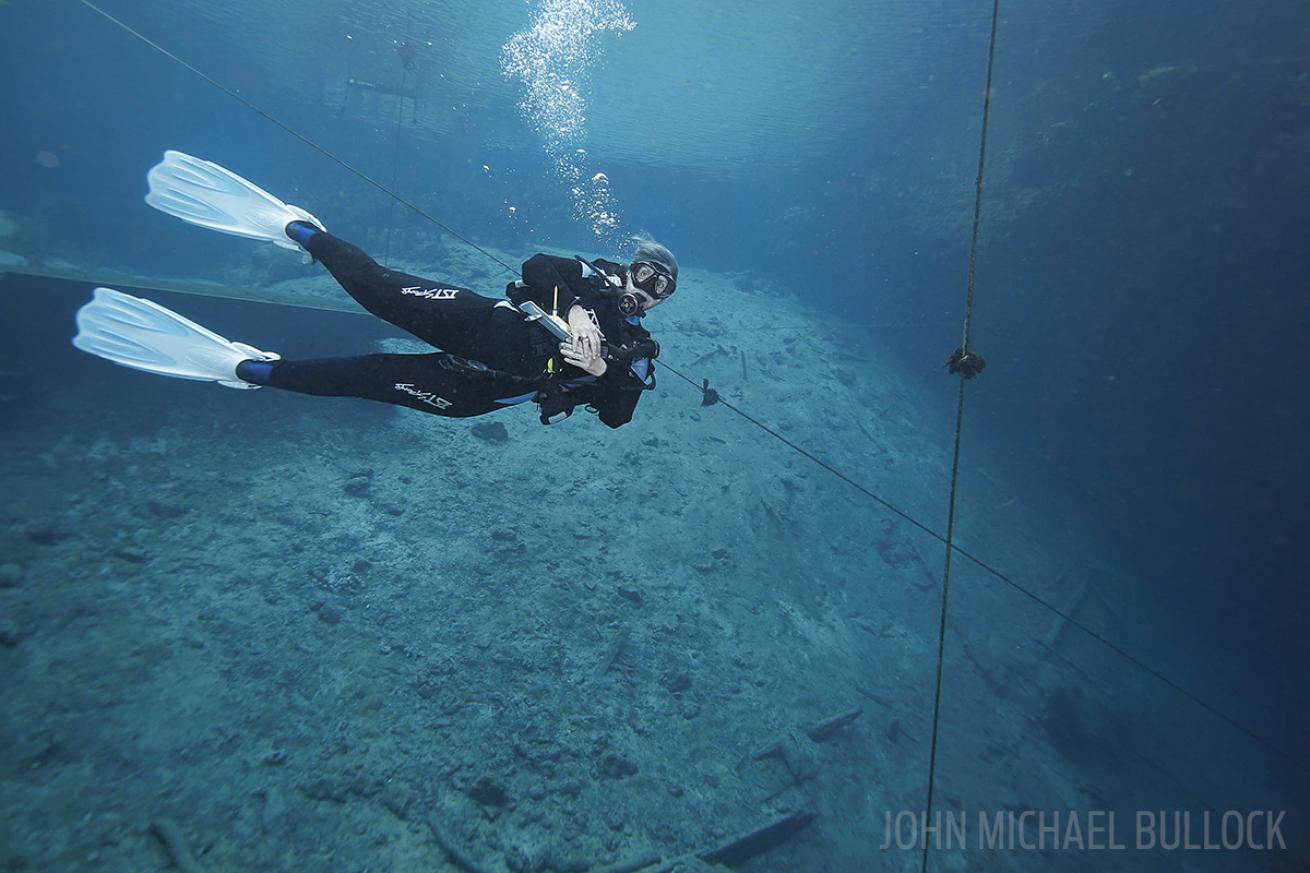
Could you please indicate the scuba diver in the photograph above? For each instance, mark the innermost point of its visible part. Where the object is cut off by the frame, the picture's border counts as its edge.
(569, 334)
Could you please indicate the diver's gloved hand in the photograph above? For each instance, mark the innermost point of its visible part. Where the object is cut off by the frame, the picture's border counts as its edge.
(586, 335)
(573, 353)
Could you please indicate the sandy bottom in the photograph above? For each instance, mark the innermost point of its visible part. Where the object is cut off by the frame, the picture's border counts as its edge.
(289, 633)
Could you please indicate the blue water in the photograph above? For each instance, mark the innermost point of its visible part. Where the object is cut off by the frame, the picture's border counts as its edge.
(314, 634)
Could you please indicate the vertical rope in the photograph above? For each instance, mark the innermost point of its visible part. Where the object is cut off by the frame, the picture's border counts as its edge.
(978, 180)
(959, 428)
(395, 168)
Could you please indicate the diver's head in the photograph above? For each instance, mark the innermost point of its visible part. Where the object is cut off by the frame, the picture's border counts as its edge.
(652, 275)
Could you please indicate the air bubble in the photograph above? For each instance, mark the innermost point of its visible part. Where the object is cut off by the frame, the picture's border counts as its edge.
(553, 60)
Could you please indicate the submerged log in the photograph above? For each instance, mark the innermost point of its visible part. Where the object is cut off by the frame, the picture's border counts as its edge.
(747, 845)
(453, 852)
(175, 845)
(737, 850)
(612, 653)
(828, 728)
(634, 865)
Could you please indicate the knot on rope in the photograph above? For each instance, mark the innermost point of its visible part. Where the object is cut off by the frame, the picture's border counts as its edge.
(709, 396)
(967, 364)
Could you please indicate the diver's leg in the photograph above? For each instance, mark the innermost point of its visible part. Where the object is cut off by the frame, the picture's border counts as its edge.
(449, 317)
(439, 383)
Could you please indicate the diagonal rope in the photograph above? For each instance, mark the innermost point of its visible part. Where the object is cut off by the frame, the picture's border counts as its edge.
(295, 133)
(947, 540)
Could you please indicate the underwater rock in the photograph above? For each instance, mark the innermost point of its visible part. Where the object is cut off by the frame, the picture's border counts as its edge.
(11, 576)
(325, 789)
(398, 799)
(490, 431)
(132, 556)
(47, 535)
(615, 766)
(274, 758)
(10, 635)
(676, 681)
(519, 860)
(342, 789)
(489, 792)
(358, 484)
(507, 543)
(274, 811)
(328, 614)
(166, 510)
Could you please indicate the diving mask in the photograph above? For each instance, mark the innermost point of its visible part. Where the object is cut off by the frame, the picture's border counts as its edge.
(655, 279)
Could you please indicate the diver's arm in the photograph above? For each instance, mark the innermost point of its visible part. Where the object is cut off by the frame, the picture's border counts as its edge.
(576, 280)
(615, 395)
(558, 286)
(543, 274)
(618, 388)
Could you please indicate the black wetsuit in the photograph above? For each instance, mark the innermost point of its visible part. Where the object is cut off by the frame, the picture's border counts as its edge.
(490, 356)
